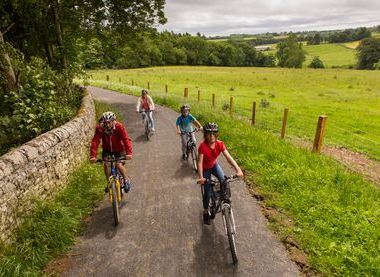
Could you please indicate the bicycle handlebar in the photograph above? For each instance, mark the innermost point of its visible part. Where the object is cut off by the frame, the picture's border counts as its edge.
(111, 160)
(229, 179)
(185, 133)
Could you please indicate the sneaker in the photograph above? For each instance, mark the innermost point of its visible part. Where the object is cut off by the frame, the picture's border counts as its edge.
(212, 215)
(152, 130)
(127, 186)
(184, 157)
(206, 218)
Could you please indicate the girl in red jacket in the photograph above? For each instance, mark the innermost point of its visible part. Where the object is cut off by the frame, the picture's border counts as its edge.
(115, 141)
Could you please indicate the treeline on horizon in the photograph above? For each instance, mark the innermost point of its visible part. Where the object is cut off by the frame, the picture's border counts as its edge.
(167, 48)
(311, 37)
(153, 48)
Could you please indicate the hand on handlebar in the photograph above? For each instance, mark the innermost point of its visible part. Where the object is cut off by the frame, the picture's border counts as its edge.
(129, 157)
(92, 160)
(239, 173)
(201, 181)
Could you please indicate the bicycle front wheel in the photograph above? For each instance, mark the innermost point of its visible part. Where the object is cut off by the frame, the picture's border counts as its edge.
(194, 158)
(230, 232)
(147, 129)
(115, 204)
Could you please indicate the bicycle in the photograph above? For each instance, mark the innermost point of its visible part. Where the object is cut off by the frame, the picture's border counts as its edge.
(146, 123)
(220, 202)
(114, 187)
(191, 148)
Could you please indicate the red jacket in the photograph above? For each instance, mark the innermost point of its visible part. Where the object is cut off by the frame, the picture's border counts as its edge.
(118, 141)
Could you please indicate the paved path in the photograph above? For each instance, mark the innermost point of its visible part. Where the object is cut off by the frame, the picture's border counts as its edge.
(161, 231)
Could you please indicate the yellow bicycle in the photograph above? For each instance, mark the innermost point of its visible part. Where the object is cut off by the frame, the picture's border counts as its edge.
(115, 192)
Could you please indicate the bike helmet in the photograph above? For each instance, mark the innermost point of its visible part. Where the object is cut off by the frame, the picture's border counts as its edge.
(108, 116)
(185, 108)
(211, 127)
(144, 92)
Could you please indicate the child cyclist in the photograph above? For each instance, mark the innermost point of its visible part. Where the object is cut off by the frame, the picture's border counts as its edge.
(209, 150)
(116, 142)
(184, 125)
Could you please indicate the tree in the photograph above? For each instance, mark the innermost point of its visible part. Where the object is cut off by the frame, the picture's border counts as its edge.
(316, 63)
(368, 53)
(290, 53)
(51, 28)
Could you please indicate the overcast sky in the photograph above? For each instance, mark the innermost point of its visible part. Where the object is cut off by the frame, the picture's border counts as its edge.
(224, 17)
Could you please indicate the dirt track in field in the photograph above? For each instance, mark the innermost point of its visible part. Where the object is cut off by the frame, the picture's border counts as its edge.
(161, 231)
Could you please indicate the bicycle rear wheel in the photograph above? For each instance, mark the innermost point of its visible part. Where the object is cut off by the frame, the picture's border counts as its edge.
(115, 204)
(230, 232)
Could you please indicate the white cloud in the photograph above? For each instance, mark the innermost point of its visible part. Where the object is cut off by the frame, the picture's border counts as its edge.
(221, 17)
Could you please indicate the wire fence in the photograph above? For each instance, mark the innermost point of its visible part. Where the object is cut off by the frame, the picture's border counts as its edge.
(268, 115)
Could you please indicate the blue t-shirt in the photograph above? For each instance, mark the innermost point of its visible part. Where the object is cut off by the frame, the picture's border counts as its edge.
(184, 123)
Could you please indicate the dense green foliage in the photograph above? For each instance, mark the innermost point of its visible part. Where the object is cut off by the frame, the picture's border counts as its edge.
(44, 100)
(334, 213)
(290, 53)
(154, 49)
(368, 53)
(350, 98)
(316, 63)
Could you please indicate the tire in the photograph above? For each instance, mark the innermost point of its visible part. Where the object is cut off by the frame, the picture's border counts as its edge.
(147, 129)
(230, 234)
(194, 158)
(115, 204)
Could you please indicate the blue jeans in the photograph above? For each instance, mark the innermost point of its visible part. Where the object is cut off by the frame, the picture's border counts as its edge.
(217, 171)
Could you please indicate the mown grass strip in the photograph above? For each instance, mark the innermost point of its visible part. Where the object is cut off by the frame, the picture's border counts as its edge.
(335, 212)
(51, 228)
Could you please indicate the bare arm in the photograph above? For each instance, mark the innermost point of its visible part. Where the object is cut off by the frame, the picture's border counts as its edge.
(200, 169)
(178, 130)
(197, 124)
(233, 163)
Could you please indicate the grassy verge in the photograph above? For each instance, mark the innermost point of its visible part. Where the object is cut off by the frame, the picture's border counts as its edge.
(51, 228)
(334, 213)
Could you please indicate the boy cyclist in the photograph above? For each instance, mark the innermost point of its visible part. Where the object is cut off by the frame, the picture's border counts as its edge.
(145, 105)
(115, 141)
(184, 125)
(209, 150)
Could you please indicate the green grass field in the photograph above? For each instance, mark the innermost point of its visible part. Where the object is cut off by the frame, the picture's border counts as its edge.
(332, 54)
(333, 212)
(350, 98)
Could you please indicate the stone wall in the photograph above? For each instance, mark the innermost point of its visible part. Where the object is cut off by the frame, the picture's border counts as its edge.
(42, 166)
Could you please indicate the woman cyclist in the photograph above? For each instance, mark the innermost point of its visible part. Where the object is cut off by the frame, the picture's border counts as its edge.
(145, 105)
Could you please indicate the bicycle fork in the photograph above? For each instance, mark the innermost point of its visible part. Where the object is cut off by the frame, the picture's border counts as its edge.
(117, 186)
(227, 208)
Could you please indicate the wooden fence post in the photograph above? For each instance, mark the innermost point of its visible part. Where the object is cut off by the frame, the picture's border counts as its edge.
(213, 99)
(107, 77)
(148, 85)
(254, 113)
(166, 88)
(319, 134)
(199, 95)
(231, 104)
(186, 92)
(284, 120)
